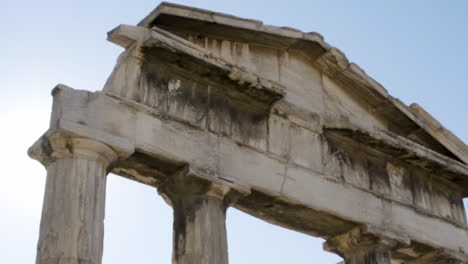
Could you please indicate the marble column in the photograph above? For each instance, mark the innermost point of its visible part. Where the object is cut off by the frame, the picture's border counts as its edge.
(72, 223)
(199, 219)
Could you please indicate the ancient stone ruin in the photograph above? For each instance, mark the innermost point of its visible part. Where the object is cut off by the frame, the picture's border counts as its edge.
(216, 111)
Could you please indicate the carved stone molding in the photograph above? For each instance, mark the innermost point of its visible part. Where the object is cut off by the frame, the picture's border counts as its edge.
(365, 244)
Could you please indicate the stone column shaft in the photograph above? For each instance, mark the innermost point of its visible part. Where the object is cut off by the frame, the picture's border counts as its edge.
(370, 255)
(72, 223)
(199, 231)
(199, 219)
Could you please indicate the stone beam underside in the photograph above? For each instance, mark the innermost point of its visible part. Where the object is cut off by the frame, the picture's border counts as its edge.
(153, 146)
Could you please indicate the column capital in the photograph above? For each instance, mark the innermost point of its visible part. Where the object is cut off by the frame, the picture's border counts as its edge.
(49, 148)
(184, 185)
(364, 239)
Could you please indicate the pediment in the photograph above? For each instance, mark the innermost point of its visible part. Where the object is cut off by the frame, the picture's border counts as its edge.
(321, 84)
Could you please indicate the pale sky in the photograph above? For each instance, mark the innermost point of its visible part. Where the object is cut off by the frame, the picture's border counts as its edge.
(417, 49)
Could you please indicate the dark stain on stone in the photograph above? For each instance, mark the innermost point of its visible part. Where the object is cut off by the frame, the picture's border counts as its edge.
(148, 166)
(69, 146)
(153, 89)
(197, 68)
(292, 216)
(198, 94)
(187, 195)
(378, 175)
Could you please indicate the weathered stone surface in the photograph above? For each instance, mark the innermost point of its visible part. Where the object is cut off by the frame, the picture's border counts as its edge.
(440, 201)
(354, 170)
(176, 141)
(458, 209)
(202, 105)
(222, 159)
(250, 168)
(379, 178)
(304, 82)
(400, 183)
(72, 223)
(435, 129)
(306, 148)
(348, 107)
(365, 244)
(278, 136)
(422, 190)
(317, 192)
(93, 115)
(199, 219)
(333, 159)
(441, 257)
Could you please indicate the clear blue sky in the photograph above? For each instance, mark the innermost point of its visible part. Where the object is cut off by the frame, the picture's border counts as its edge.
(417, 49)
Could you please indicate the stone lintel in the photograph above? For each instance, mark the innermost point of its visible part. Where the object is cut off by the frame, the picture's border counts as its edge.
(440, 257)
(70, 132)
(119, 122)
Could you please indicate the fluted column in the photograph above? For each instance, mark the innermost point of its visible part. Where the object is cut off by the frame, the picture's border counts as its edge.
(199, 219)
(72, 223)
